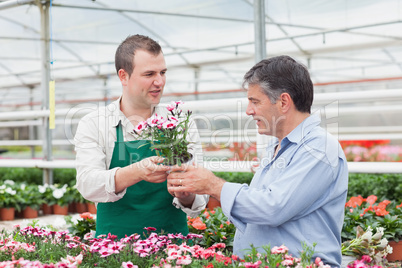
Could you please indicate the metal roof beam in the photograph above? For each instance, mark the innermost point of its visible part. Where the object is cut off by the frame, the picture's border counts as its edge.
(14, 3)
(156, 13)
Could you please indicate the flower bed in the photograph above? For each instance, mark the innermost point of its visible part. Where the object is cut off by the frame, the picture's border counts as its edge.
(37, 247)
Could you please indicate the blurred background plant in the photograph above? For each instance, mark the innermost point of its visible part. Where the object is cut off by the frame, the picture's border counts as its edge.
(215, 228)
(63, 194)
(30, 196)
(9, 197)
(369, 244)
(367, 212)
(80, 226)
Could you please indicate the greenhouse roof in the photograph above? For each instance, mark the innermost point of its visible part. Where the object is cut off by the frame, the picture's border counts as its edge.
(208, 45)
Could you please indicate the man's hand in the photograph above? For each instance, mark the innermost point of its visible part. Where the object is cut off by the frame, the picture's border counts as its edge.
(144, 170)
(149, 170)
(194, 179)
(185, 198)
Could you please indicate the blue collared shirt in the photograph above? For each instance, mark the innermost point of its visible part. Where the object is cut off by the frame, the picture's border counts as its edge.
(297, 196)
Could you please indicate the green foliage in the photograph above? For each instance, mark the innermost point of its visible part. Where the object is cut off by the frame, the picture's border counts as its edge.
(215, 228)
(9, 196)
(168, 136)
(237, 177)
(30, 196)
(364, 217)
(65, 176)
(22, 175)
(384, 186)
(35, 175)
(85, 224)
(367, 243)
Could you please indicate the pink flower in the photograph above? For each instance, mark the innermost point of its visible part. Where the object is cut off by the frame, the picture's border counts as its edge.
(171, 107)
(169, 125)
(141, 126)
(178, 102)
(279, 250)
(252, 265)
(287, 262)
(129, 264)
(104, 252)
(318, 262)
(72, 245)
(184, 260)
(366, 258)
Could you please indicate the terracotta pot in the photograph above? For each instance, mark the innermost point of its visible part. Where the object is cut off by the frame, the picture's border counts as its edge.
(80, 207)
(213, 203)
(46, 209)
(91, 208)
(60, 210)
(29, 213)
(396, 251)
(7, 214)
(71, 208)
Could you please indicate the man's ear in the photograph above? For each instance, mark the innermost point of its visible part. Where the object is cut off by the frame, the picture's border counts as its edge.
(123, 76)
(286, 102)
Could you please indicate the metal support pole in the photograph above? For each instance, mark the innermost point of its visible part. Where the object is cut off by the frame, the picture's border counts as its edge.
(196, 79)
(47, 133)
(260, 54)
(259, 30)
(31, 128)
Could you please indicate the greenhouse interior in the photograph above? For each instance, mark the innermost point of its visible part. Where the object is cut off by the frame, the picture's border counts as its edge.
(57, 64)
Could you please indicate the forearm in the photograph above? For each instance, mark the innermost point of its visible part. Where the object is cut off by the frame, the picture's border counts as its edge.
(215, 189)
(126, 177)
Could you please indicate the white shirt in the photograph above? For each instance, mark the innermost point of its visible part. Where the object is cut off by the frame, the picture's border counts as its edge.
(94, 144)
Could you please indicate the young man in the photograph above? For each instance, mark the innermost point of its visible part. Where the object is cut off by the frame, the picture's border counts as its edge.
(298, 194)
(117, 171)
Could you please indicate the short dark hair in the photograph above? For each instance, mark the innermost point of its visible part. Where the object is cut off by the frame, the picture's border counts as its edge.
(124, 56)
(282, 74)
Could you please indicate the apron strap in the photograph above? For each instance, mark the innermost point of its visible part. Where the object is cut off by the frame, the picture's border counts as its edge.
(119, 132)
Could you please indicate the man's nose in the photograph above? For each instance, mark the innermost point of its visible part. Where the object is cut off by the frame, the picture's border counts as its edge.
(159, 80)
(249, 110)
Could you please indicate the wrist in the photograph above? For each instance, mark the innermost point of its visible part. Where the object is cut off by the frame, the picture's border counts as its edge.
(216, 187)
(187, 201)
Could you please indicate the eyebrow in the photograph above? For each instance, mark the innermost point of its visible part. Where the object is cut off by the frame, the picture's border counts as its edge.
(251, 98)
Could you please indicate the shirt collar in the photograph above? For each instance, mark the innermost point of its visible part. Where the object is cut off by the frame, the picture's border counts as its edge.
(303, 128)
(117, 114)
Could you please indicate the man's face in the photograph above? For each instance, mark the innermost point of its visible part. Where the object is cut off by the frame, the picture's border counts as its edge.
(267, 115)
(145, 86)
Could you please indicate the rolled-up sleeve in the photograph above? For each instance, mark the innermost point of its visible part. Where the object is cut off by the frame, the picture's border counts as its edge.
(95, 181)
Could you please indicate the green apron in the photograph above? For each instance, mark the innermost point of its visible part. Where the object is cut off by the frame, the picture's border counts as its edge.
(145, 204)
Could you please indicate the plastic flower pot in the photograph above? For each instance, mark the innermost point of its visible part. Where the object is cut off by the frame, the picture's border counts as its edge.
(7, 214)
(29, 213)
(396, 251)
(46, 209)
(80, 207)
(91, 208)
(60, 210)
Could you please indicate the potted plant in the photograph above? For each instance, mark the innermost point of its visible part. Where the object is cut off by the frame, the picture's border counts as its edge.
(47, 195)
(63, 198)
(31, 200)
(80, 204)
(367, 212)
(9, 201)
(168, 136)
